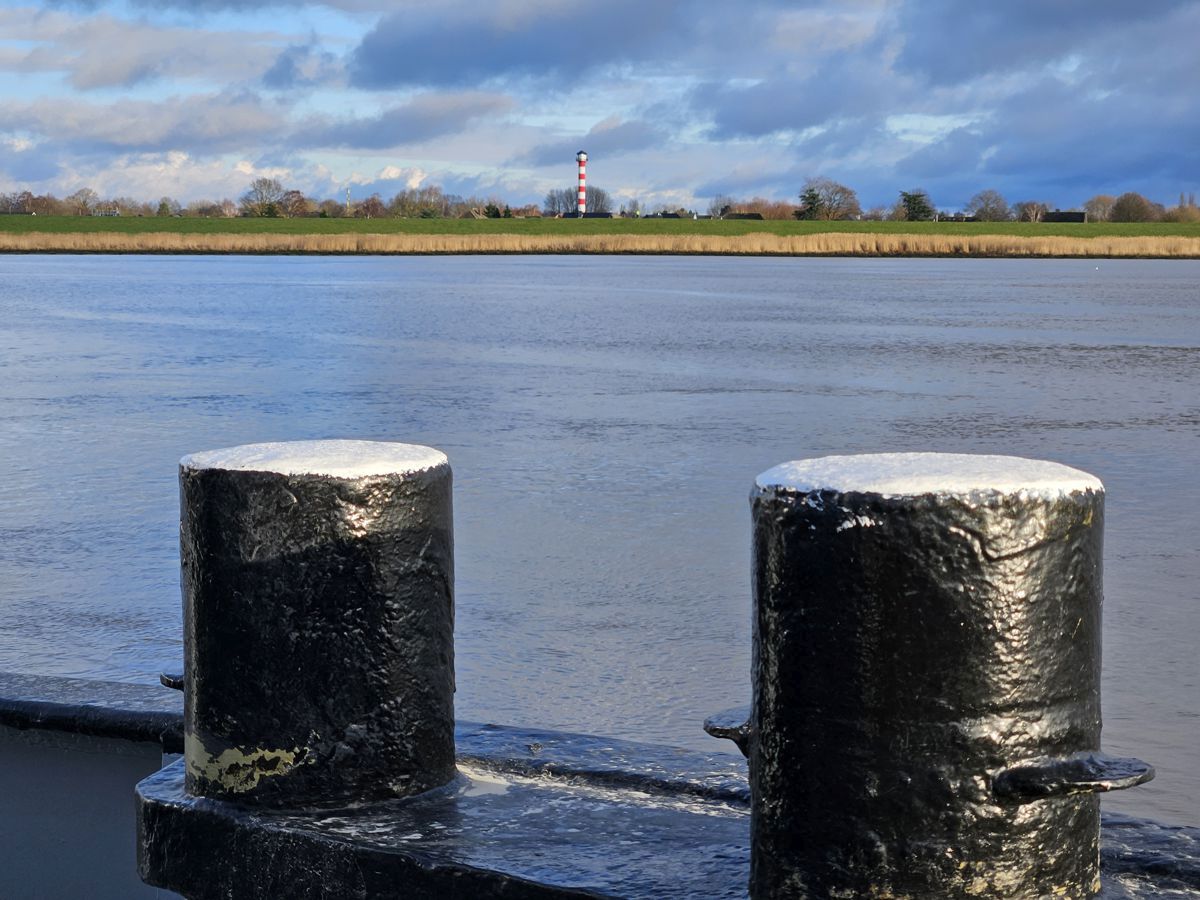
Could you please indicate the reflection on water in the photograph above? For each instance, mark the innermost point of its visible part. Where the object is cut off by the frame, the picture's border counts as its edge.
(605, 419)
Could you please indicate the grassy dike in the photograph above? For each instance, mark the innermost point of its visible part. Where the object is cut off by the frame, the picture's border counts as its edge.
(71, 234)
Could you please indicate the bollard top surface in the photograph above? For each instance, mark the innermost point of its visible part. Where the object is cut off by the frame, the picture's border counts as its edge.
(897, 475)
(333, 459)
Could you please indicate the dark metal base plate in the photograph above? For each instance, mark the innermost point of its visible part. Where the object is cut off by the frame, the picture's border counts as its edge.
(536, 814)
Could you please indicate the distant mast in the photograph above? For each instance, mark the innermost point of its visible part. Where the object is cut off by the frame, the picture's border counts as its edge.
(581, 158)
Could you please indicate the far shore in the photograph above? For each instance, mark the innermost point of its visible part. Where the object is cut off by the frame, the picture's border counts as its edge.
(659, 236)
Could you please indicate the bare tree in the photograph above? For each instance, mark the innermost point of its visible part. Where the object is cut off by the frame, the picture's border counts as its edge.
(330, 209)
(458, 206)
(47, 205)
(131, 206)
(402, 205)
(1184, 212)
(1133, 207)
(989, 206)
(565, 202)
(823, 198)
(719, 205)
(371, 208)
(425, 202)
(768, 209)
(293, 203)
(202, 209)
(559, 203)
(83, 201)
(1099, 208)
(598, 200)
(24, 201)
(1030, 210)
(262, 199)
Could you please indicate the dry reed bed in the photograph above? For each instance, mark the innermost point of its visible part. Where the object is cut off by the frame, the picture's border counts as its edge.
(763, 244)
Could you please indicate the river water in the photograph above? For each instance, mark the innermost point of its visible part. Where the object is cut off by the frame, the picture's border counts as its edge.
(605, 418)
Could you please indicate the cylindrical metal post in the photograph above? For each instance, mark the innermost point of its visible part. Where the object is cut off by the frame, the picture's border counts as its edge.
(926, 713)
(318, 622)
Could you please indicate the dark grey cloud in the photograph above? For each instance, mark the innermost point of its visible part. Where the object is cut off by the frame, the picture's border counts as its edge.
(424, 117)
(1060, 100)
(844, 90)
(844, 138)
(26, 166)
(759, 183)
(962, 152)
(607, 139)
(467, 43)
(203, 7)
(1063, 142)
(1127, 138)
(302, 65)
(466, 46)
(949, 41)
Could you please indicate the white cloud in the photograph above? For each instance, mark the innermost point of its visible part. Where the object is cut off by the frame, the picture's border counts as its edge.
(197, 122)
(252, 171)
(103, 51)
(148, 176)
(924, 129)
(412, 178)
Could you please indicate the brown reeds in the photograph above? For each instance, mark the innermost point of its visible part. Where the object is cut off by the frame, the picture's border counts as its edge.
(754, 244)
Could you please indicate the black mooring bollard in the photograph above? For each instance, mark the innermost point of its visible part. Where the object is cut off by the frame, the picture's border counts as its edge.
(926, 712)
(318, 622)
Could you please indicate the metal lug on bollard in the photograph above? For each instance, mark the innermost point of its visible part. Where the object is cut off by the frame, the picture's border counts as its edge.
(171, 680)
(1081, 773)
(926, 709)
(733, 725)
(318, 622)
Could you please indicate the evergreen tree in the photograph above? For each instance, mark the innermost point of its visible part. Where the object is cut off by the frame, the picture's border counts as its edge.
(917, 206)
(812, 206)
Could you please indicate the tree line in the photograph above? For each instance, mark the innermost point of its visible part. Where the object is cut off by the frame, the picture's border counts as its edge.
(267, 198)
(990, 206)
(270, 198)
(819, 199)
(825, 199)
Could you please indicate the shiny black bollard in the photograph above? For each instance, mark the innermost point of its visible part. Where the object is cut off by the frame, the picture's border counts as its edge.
(926, 708)
(318, 622)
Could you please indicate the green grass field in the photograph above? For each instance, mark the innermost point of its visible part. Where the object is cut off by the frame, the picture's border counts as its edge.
(648, 227)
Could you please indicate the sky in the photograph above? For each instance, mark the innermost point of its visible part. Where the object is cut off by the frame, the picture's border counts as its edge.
(675, 101)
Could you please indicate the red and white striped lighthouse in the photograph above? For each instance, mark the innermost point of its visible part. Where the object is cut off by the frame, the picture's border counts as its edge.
(582, 203)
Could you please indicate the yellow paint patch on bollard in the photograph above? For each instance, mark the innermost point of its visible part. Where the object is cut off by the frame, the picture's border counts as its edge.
(236, 770)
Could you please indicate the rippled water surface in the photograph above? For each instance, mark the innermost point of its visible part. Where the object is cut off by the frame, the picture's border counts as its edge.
(605, 418)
